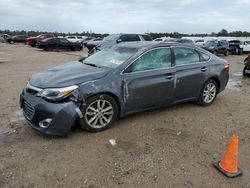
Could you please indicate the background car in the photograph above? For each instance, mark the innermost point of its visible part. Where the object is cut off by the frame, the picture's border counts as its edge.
(32, 41)
(17, 39)
(121, 80)
(184, 41)
(59, 43)
(3, 37)
(236, 47)
(246, 46)
(92, 43)
(85, 41)
(199, 42)
(76, 38)
(118, 38)
(217, 47)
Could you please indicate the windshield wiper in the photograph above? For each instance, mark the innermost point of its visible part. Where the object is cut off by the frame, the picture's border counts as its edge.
(91, 64)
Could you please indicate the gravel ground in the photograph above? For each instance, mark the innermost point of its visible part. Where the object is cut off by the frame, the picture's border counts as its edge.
(170, 147)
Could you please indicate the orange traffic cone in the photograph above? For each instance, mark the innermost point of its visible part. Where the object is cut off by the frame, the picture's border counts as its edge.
(229, 163)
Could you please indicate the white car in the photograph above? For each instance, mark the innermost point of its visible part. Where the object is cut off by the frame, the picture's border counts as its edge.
(199, 42)
(246, 46)
(75, 38)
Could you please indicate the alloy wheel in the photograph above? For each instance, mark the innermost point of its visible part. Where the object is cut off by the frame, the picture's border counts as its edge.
(99, 113)
(209, 92)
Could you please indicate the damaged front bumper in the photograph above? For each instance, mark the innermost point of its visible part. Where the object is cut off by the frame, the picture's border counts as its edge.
(47, 117)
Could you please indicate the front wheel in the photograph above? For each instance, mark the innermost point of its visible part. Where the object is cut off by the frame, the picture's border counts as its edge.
(208, 93)
(99, 113)
(226, 53)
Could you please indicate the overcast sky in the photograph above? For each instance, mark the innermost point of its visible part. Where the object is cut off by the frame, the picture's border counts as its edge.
(119, 16)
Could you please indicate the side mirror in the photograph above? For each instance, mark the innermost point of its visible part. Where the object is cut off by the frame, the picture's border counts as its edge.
(119, 40)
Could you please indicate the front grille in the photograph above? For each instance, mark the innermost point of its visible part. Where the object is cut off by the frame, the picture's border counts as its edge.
(29, 110)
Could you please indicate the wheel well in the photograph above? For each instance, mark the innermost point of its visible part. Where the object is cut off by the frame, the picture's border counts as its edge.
(217, 82)
(111, 95)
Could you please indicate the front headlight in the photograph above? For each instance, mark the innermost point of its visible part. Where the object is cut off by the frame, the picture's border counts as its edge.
(56, 94)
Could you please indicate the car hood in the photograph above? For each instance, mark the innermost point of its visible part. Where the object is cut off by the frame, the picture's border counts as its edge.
(71, 73)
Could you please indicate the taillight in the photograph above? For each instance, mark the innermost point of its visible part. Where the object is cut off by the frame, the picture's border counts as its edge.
(226, 66)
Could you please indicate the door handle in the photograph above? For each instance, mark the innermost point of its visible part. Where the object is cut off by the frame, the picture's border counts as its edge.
(203, 69)
(169, 76)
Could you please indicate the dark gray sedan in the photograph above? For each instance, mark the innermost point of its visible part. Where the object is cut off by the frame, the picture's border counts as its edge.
(118, 81)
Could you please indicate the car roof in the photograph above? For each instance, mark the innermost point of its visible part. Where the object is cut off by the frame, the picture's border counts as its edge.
(152, 44)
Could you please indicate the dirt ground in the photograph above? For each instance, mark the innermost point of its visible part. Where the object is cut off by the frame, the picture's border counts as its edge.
(170, 147)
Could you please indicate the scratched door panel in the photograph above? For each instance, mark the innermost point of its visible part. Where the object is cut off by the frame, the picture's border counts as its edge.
(148, 89)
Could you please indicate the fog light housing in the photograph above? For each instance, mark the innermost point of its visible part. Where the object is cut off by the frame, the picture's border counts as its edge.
(45, 123)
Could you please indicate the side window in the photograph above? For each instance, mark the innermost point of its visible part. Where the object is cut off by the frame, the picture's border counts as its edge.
(185, 56)
(204, 57)
(124, 38)
(154, 59)
(133, 38)
(63, 40)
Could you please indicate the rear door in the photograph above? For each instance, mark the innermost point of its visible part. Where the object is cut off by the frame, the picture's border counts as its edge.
(149, 80)
(191, 70)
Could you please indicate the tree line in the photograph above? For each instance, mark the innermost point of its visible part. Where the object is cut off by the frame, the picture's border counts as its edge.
(222, 32)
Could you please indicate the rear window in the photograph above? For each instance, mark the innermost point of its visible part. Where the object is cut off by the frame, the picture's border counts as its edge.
(146, 37)
(79, 37)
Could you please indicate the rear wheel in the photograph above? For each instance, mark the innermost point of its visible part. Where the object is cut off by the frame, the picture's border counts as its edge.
(226, 53)
(99, 113)
(208, 93)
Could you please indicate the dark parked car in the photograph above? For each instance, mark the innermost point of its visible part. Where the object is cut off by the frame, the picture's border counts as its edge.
(17, 39)
(217, 47)
(118, 38)
(59, 43)
(118, 81)
(236, 47)
(84, 43)
(184, 41)
(92, 43)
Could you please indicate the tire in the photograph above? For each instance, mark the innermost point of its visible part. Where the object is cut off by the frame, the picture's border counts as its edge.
(33, 44)
(48, 48)
(244, 71)
(240, 51)
(207, 90)
(226, 53)
(94, 119)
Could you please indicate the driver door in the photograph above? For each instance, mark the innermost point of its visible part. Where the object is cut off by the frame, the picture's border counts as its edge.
(149, 81)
